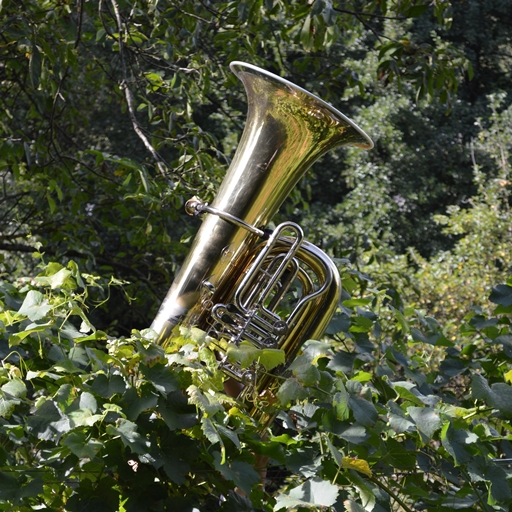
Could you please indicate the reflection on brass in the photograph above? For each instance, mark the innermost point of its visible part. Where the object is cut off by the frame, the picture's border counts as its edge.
(275, 290)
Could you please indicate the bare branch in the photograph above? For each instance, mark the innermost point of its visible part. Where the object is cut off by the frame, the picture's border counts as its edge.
(160, 163)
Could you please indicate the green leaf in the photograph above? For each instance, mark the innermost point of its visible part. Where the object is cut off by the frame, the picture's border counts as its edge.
(7, 404)
(245, 354)
(82, 446)
(240, 472)
(136, 401)
(16, 338)
(15, 388)
(499, 395)
(232, 436)
(500, 491)
(60, 279)
(305, 372)
(453, 441)
(342, 362)
(363, 410)
(314, 492)
(127, 431)
(9, 486)
(162, 377)
(108, 387)
(306, 34)
(35, 65)
(176, 411)
(398, 456)
(341, 402)
(48, 422)
(210, 431)
(204, 401)
(271, 357)
(397, 419)
(35, 306)
(427, 420)
(501, 294)
(290, 391)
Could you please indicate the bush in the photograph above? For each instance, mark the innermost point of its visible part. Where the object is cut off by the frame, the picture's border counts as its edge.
(364, 420)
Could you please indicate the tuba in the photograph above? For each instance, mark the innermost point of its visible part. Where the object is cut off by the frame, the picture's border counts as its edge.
(242, 281)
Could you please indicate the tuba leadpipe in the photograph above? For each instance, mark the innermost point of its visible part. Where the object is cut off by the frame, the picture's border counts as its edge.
(238, 274)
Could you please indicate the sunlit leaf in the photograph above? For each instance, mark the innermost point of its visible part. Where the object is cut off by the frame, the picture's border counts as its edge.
(314, 492)
(359, 465)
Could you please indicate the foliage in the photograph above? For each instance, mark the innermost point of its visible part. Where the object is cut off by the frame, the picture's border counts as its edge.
(363, 422)
(454, 281)
(115, 112)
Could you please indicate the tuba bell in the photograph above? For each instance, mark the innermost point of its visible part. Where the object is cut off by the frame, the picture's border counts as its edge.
(241, 281)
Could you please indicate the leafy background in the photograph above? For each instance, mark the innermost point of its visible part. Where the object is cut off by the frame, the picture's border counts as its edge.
(113, 113)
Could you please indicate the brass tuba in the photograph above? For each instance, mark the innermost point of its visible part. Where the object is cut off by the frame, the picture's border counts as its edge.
(241, 281)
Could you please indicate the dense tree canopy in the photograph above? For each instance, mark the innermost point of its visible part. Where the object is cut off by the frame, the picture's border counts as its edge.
(113, 113)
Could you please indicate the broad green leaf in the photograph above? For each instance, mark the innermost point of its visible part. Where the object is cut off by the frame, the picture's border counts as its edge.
(245, 354)
(352, 506)
(88, 401)
(35, 306)
(204, 401)
(232, 436)
(127, 431)
(48, 422)
(7, 404)
(398, 456)
(501, 294)
(339, 323)
(314, 492)
(398, 420)
(15, 388)
(176, 411)
(500, 491)
(161, 376)
(9, 486)
(136, 401)
(271, 357)
(499, 395)
(107, 387)
(306, 35)
(84, 418)
(427, 420)
(290, 391)
(240, 472)
(337, 455)
(342, 362)
(363, 410)
(453, 441)
(58, 280)
(82, 445)
(176, 470)
(16, 338)
(305, 372)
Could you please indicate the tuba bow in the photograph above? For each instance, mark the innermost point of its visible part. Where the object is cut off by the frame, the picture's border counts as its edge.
(241, 281)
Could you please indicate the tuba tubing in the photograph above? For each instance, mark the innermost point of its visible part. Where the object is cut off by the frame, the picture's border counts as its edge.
(237, 273)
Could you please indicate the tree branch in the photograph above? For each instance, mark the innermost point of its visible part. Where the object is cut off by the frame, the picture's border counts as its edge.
(160, 163)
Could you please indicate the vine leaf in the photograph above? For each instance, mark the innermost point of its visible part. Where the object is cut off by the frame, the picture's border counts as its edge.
(240, 472)
(501, 294)
(314, 492)
(35, 306)
(359, 465)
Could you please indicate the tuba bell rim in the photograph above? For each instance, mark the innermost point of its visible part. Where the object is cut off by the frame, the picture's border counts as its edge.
(238, 67)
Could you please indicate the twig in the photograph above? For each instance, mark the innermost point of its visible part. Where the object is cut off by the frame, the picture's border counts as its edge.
(160, 163)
